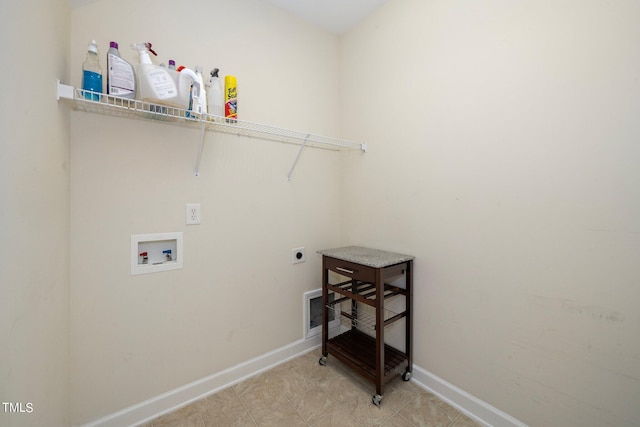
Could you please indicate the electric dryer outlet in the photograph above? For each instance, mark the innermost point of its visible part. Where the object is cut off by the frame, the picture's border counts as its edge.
(297, 255)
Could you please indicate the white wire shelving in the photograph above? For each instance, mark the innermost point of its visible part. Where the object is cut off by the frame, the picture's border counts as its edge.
(130, 108)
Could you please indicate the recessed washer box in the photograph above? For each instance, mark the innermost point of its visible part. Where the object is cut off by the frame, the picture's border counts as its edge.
(151, 253)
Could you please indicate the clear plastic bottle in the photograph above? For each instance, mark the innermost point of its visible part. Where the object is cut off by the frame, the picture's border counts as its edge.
(92, 73)
(215, 95)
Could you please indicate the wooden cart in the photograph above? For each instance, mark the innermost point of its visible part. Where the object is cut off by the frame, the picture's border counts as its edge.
(360, 281)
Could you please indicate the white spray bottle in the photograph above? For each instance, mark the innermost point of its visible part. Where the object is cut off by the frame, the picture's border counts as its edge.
(154, 82)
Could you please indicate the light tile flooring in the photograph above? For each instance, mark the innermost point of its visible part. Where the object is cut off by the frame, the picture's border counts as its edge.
(303, 393)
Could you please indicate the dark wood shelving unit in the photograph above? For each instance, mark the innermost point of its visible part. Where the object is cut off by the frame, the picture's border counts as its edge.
(366, 272)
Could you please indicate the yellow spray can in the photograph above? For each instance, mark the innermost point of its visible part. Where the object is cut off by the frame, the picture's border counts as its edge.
(230, 98)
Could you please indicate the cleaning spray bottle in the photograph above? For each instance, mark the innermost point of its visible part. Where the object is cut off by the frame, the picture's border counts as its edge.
(215, 97)
(121, 79)
(92, 73)
(155, 84)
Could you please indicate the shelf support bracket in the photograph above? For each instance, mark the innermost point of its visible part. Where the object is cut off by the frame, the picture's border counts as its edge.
(200, 148)
(295, 162)
(64, 91)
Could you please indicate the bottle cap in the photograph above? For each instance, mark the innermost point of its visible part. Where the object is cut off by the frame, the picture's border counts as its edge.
(93, 46)
(113, 45)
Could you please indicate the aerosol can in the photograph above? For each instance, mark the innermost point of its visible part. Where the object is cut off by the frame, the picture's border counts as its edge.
(230, 98)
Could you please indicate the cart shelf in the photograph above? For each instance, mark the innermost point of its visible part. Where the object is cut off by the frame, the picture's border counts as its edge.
(364, 292)
(358, 350)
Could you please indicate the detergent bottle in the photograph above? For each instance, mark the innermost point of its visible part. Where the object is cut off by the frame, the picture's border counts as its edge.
(191, 82)
(202, 96)
(121, 79)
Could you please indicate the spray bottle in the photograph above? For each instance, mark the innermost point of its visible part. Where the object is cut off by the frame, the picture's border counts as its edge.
(155, 84)
(215, 96)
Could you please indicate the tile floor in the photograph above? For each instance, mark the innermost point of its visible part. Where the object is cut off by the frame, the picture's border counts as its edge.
(303, 393)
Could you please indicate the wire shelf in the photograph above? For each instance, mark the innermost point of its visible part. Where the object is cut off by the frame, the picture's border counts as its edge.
(362, 318)
(115, 106)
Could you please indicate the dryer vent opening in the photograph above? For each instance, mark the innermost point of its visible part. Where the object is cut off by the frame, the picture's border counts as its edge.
(313, 313)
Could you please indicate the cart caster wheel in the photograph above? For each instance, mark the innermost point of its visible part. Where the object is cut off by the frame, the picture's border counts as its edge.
(406, 376)
(376, 400)
(323, 361)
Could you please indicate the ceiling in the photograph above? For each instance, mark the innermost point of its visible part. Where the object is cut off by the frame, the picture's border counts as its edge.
(336, 16)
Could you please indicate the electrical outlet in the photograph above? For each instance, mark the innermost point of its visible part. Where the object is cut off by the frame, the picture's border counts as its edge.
(297, 255)
(193, 213)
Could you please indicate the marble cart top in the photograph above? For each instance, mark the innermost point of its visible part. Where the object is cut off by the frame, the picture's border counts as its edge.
(366, 256)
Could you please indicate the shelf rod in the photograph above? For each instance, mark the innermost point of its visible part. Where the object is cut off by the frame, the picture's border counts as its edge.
(394, 318)
(199, 155)
(295, 162)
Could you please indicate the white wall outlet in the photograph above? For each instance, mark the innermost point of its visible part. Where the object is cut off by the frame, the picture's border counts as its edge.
(297, 255)
(193, 213)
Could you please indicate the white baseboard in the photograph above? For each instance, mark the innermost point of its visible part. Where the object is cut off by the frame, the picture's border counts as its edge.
(174, 399)
(466, 403)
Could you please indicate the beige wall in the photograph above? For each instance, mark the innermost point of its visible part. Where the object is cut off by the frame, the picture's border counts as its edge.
(34, 214)
(503, 149)
(238, 295)
(504, 156)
